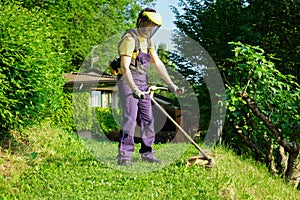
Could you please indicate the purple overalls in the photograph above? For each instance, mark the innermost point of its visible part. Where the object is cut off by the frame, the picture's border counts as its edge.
(136, 111)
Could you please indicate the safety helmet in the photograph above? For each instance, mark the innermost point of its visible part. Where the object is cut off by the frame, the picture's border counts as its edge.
(153, 17)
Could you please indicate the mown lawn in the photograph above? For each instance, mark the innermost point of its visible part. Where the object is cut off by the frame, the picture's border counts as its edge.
(49, 163)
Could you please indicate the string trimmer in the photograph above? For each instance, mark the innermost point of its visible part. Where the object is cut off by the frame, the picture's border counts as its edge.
(195, 159)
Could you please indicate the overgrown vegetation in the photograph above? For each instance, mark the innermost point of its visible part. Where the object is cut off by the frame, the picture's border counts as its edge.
(41, 40)
(262, 92)
(77, 114)
(263, 110)
(32, 61)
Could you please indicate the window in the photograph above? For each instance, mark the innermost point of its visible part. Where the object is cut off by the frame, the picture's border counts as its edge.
(105, 99)
(101, 99)
(96, 98)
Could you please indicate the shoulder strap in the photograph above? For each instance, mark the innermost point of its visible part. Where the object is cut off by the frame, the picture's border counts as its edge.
(148, 45)
(134, 34)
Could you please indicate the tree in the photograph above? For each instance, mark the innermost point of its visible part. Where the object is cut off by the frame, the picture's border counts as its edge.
(83, 24)
(271, 25)
(42, 39)
(263, 109)
(262, 98)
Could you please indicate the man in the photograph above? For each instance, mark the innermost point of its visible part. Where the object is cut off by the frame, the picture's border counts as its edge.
(133, 83)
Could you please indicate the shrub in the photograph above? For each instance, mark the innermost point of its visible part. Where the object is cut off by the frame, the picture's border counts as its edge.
(64, 116)
(31, 66)
(82, 110)
(76, 114)
(263, 109)
(107, 119)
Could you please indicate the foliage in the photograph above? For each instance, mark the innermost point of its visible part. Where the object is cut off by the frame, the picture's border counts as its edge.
(82, 110)
(275, 95)
(83, 24)
(262, 97)
(64, 116)
(61, 167)
(201, 83)
(107, 119)
(76, 114)
(195, 77)
(268, 24)
(34, 34)
(31, 61)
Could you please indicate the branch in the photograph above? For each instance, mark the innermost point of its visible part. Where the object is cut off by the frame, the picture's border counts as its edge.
(245, 91)
(290, 146)
(259, 154)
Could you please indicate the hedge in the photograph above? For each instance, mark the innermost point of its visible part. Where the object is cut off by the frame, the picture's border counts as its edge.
(31, 67)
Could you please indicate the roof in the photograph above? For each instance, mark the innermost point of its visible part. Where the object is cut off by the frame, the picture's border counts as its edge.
(91, 76)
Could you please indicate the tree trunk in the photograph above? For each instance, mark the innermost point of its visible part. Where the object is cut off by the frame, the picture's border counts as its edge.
(291, 164)
(269, 156)
(281, 160)
(291, 147)
(259, 154)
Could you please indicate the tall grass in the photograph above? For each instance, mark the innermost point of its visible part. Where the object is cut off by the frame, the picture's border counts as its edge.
(58, 165)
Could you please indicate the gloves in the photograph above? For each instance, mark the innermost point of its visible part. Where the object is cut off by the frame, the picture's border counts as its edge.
(174, 88)
(138, 94)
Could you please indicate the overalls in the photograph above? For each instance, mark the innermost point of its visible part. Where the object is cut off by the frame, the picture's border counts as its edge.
(135, 110)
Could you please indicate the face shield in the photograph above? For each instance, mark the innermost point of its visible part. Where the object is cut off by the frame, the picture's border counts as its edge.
(149, 24)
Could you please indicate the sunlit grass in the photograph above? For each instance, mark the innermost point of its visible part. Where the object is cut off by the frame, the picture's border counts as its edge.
(59, 165)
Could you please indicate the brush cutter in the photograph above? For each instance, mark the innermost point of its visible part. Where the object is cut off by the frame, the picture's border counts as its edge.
(202, 159)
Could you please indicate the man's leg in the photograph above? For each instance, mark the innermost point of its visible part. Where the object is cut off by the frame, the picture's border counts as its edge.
(147, 130)
(130, 108)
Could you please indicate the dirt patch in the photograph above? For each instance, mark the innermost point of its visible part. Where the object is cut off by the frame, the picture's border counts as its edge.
(10, 165)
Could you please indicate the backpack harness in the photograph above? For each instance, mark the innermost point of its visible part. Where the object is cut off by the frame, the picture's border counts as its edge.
(115, 65)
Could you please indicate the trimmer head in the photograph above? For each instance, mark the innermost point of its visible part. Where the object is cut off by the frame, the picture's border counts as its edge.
(201, 160)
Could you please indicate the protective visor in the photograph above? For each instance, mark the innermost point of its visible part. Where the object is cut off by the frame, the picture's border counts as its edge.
(147, 30)
(149, 24)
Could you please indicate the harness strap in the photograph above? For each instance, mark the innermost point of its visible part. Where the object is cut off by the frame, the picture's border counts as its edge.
(133, 33)
(135, 65)
(136, 39)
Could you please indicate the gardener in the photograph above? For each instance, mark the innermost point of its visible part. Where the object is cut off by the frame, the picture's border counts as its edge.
(133, 83)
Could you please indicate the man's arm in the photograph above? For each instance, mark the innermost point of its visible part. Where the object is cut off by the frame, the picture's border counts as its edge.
(160, 67)
(162, 71)
(125, 63)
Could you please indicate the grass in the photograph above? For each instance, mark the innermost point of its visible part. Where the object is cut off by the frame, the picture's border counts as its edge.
(53, 164)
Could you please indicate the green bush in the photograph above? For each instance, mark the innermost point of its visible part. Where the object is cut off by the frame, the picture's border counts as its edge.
(64, 116)
(31, 66)
(82, 111)
(273, 95)
(106, 119)
(76, 114)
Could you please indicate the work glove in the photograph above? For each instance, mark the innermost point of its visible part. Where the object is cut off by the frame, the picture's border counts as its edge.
(138, 94)
(174, 88)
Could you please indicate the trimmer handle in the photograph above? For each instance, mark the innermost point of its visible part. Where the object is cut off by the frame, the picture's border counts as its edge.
(153, 88)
